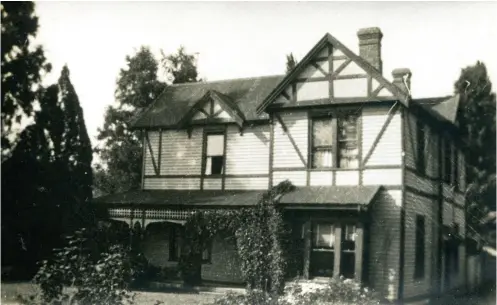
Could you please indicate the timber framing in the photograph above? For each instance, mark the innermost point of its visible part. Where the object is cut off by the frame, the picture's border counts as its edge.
(292, 140)
(327, 41)
(390, 115)
(151, 154)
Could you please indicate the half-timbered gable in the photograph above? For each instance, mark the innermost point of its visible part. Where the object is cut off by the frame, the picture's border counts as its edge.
(379, 175)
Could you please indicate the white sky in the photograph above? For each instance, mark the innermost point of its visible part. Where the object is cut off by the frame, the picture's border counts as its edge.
(244, 39)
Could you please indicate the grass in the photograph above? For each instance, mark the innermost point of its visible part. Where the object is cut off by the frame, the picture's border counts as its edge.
(10, 291)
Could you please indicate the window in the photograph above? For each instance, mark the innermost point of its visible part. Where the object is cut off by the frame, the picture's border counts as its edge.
(324, 236)
(419, 268)
(447, 160)
(347, 263)
(174, 244)
(214, 156)
(334, 142)
(420, 140)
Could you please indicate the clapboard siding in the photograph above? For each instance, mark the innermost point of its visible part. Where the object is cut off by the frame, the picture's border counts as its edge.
(213, 184)
(389, 150)
(171, 184)
(382, 176)
(247, 153)
(385, 243)
(252, 183)
(421, 183)
(347, 177)
(419, 205)
(321, 178)
(284, 154)
(181, 155)
(298, 178)
(153, 139)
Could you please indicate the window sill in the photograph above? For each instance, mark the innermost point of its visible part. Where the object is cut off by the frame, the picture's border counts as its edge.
(213, 176)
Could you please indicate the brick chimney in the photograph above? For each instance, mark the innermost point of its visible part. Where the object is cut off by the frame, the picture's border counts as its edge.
(402, 79)
(370, 46)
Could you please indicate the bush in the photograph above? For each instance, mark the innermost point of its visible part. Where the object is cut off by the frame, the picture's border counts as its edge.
(335, 292)
(97, 279)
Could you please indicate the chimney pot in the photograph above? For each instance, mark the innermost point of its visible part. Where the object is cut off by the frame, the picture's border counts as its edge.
(370, 46)
(402, 79)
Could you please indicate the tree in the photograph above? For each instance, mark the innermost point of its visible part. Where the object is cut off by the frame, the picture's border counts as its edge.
(75, 155)
(476, 117)
(137, 88)
(181, 67)
(291, 62)
(120, 152)
(22, 67)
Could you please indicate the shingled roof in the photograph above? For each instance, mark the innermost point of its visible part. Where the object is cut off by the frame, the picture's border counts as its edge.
(444, 108)
(177, 100)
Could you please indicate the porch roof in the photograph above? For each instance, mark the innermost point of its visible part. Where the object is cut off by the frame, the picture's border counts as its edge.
(331, 195)
(182, 198)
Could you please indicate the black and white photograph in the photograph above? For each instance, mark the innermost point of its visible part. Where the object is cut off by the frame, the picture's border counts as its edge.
(248, 152)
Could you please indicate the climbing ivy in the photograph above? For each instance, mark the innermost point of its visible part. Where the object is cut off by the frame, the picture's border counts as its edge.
(259, 233)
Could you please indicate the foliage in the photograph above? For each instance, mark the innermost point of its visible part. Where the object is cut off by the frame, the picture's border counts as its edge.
(22, 68)
(181, 67)
(335, 292)
(291, 62)
(98, 278)
(50, 177)
(121, 152)
(259, 235)
(137, 88)
(476, 116)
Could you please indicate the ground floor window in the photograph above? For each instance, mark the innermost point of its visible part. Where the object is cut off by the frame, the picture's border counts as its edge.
(333, 246)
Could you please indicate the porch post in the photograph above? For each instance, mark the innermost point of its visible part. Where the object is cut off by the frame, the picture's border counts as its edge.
(307, 247)
(338, 250)
(359, 249)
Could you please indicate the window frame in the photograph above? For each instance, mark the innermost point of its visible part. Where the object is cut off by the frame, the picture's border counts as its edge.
(205, 155)
(420, 247)
(334, 117)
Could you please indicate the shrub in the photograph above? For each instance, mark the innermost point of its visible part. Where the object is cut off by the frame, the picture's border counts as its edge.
(335, 292)
(96, 279)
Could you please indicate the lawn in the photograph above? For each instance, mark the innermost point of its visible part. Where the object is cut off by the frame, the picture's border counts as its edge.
(11, 290)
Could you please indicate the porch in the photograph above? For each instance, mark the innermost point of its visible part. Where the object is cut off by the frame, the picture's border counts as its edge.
(329, 229)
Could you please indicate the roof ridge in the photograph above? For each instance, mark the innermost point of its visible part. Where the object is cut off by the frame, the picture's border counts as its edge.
(226, 80)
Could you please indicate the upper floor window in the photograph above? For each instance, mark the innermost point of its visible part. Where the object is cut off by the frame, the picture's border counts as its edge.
(214, 154)
(335, 142)
(419, 267)
(447, 160)
(420, 140)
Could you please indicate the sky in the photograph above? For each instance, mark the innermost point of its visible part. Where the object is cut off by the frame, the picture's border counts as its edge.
(246, 39)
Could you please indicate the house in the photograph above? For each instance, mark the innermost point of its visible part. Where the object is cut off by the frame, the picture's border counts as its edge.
(379, 175)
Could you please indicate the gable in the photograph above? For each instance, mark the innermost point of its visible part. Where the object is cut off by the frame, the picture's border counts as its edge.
(213, 107)
(331, 73)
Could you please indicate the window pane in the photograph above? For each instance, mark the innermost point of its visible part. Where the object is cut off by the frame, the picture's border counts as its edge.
(217, 165)
(208, 166)
(348, 154)
(347, 127)
(322, 158)
(324, 236)
(215, 145)
(321, 132)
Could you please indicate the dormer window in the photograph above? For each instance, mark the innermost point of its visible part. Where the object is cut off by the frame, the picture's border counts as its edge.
(214, 154)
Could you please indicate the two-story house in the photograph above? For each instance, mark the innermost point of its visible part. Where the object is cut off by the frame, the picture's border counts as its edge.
(379, 175)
